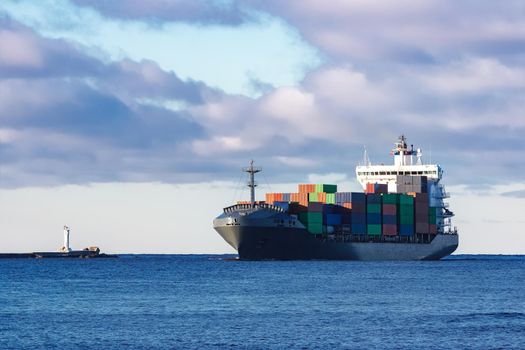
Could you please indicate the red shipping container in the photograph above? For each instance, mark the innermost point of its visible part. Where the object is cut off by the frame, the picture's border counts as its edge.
(389, 209)
(389, 230)
(432, 229)
(422, 198)
(359, 207)
(315, 207)
(376, 188)
(421, 227)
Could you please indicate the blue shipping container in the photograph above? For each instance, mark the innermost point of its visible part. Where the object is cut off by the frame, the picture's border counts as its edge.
(358, 218)
(358, 197)
(373, 219)
(373, 198)
(328, 208)
(333, 219)
(406, 230)
(389, 219)
(358, 229)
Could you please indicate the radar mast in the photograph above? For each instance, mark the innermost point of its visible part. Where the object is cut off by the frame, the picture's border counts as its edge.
(252, 170)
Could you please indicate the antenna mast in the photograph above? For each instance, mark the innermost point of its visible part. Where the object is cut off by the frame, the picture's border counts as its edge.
(366, 160)
(251, 182)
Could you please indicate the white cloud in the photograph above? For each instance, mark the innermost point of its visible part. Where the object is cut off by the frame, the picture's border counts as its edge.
(331, 178)
(298, 162)
(19, 50)
(474, 75)
(221, 56)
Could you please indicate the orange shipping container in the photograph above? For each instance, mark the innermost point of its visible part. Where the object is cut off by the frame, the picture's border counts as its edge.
(274, 197)
(306, 188)
(303, 198)
(347, 205)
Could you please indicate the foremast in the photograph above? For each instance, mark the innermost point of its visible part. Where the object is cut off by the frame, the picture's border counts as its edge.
(252, 170)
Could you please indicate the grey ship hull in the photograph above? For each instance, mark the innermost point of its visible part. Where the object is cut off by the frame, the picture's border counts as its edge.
(256, 237)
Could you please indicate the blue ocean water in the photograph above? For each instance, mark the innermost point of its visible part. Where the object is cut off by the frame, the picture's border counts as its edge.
(207, 301)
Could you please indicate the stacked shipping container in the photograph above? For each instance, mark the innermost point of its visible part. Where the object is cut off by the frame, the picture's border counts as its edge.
(421, 212)
(376, 188)
(358, 213)
(312, 218)
(390, 222)
(374, 213)
(406, 183)
(406, 215)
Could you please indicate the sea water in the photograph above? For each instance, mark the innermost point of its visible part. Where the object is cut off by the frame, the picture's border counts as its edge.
(210, 301)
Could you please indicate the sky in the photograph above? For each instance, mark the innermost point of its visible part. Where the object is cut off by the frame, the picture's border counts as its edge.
(129, 121)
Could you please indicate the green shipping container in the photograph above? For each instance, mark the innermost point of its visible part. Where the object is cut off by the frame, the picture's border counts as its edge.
(374, 230)
(405, 209)
(432, 215)
(312, 197)
(303, 218)
(314, 217)
(326, 188)
(310, 217)
(406, 199)
(315, 228)
(373, 208)
(406, 220)
(390, 198)
(330, 198)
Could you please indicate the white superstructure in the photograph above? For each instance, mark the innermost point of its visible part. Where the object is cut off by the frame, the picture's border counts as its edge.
(408, 162)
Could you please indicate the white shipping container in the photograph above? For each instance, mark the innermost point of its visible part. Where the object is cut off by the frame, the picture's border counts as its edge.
(392, 187)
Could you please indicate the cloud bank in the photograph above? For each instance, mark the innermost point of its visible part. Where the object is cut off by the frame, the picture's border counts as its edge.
(448, 74)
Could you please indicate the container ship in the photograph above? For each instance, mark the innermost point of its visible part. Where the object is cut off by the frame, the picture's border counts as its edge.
(402, 214)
